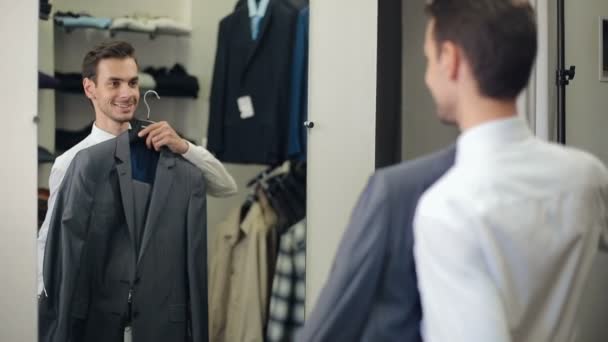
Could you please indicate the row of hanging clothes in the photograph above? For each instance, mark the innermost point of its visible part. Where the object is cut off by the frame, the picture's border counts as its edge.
(258, 261)
(258, 100)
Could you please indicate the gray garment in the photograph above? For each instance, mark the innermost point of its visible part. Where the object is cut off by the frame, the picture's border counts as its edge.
(141, 199)
(371, 293)
(91, 267)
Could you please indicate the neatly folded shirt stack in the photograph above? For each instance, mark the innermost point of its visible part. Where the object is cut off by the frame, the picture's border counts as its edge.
(133, 23)
(150, 25)
(81, 20)
(174, 81)
(70, 82)
(47, 82)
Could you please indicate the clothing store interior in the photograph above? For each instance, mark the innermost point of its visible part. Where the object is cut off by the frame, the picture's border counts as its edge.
(249, 171)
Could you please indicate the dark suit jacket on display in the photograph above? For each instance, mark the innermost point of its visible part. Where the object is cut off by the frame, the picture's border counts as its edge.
(371, 293)
(257, 68)
(91, 265)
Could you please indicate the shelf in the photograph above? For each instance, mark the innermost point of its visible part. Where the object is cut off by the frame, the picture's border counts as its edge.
(113, 32)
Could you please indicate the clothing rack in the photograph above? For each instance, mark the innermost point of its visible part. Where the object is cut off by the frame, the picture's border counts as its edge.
(285, 191)
(563, 76)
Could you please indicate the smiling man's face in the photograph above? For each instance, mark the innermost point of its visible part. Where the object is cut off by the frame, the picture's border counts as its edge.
(115, 91)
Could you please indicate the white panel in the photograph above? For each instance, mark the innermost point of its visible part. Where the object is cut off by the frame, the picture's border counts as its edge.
(586, 120)
(18, 95)
(586, 123)
(342, 105)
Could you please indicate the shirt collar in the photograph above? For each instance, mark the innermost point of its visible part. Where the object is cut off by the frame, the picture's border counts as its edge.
(257, 10)
(486, 138)
(99, 134)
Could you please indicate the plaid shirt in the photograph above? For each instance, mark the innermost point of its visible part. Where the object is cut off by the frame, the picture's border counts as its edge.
(289, 286)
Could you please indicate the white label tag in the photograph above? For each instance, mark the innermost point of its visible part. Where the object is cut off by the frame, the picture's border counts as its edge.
(245, 107)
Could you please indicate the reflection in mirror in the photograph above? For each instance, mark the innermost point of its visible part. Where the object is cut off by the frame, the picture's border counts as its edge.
(182, 219)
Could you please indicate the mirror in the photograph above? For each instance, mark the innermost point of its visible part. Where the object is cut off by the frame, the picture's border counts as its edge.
(195, 230)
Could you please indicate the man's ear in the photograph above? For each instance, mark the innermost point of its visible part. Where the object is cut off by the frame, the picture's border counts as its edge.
(450, 59)
(89, 88)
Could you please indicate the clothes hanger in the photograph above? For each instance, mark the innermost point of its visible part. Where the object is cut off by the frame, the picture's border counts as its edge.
(148, 121)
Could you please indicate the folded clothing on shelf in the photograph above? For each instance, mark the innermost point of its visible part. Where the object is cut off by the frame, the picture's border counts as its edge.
(81, 20)
(147, 24)
(174, 82)
(70, 82)
(44, 9)
(146, 81)
(47, 82)
(43, 199)
(44, 156)
(66, 139)
(170, 26)
(133, 23)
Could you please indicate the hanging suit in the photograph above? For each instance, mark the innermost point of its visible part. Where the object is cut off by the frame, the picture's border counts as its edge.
(259, 69)
(103, 249)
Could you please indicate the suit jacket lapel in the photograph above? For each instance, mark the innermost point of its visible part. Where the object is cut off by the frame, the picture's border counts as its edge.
(123, 167)
(160, 192)
(264, 24)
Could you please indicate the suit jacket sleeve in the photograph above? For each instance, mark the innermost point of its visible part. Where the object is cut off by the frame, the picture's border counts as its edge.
(217, 106)
(197, 259)
(68, 229)
(345, 300)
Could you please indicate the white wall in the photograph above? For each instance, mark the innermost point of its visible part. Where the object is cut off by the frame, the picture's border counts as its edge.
(422, 131)
(586, 126)
(46, 98)
(342, 143)
(18, 95)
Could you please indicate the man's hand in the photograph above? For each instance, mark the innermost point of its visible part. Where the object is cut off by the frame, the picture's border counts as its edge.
(162, 134)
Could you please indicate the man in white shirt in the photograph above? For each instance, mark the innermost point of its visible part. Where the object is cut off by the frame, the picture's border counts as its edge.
(110, 81)
(504, 241)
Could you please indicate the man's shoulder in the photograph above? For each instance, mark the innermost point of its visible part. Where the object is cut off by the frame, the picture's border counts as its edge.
(577, 162)
(419, 172)
(63, 161)
(86, 152)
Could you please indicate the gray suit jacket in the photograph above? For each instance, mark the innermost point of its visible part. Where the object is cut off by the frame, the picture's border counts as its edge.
(91, 267)
(371, 293)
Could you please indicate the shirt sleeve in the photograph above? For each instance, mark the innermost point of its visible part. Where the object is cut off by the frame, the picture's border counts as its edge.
(219, 182)
(460, 301)
(55, 179)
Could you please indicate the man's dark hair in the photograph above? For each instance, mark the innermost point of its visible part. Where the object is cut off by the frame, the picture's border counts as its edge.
(498, 38)
(105, 50)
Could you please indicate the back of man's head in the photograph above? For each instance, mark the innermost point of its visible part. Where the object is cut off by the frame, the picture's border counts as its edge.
(498, 38)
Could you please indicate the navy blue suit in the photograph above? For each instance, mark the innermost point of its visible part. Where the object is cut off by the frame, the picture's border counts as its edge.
(371, 293)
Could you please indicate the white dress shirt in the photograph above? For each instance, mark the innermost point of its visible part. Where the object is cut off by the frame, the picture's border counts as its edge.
(506, 239)
(219, 182)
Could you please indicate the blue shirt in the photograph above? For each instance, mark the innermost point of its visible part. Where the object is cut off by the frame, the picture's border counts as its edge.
(256, 13)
